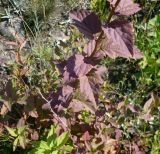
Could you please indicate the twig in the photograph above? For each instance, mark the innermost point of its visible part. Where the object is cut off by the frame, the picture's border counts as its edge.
(113, 11)
(98, 41)
(55, 114)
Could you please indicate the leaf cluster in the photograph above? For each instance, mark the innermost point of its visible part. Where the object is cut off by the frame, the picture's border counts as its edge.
(52, 144)
(90, 113)
(80, 72)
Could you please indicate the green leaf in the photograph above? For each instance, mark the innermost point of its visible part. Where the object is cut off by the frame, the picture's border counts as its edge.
(11, 131)
(37, 151)
(56, 152)
(51, 141)
(22, 141)
(68, 148)
(21, 130)
(62, 139)
(51, 132)
(158, 61)
(41, 145)
(15, 144)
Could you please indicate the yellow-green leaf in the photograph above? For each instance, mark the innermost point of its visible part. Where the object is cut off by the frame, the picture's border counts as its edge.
(11, 131)
(55, 152)
(62, 139)
(15, 144)
(22, 141)
(21, 130)
(51, 131)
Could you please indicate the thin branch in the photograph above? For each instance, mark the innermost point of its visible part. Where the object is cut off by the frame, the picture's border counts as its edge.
(98, 41)
(55, 114)
(113, 11)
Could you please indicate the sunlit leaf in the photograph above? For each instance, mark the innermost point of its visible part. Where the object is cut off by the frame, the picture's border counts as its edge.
(125, 7)
(119, 40)
(41, 144)
(68, 148)
(51, 131)
(11, 131)
(22, 141)
(87, 90)
(88, 23)
(56, 152)
(15, 143)
(21, 130)
(62, 139)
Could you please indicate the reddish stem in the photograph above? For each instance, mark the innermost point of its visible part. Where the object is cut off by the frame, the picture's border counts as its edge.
(98, 41)
(113, 11)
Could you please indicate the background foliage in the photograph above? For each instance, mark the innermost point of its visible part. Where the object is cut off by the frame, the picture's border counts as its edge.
(130, 95)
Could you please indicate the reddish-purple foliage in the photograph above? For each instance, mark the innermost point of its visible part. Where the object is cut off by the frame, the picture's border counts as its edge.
(82, 76)
(125, 7)
(96, 124)
(114, 39)
(81, 80)
(87, 23)
(78, 72)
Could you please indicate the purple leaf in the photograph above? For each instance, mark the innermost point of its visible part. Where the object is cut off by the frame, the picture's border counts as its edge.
(3, 60)
(68, 78)
(119, 40)
(10, 91)
(62, 97)
(86, 136)
(125, 31)
(101, 70)
(137, 54)
(65, 93)
(89, 87)
(113, 45)
(118, 134)
(88, 23)
(96, 81)
(35, 136)
(87, 90)
(154, 101)
(60, 65)
(137, 149)
(132, 108)
(77, 106)
(90, 47)
(125, 7)
(147, 117)
(33, 114)
(21, 123)
(77, 66)
(46, 106)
